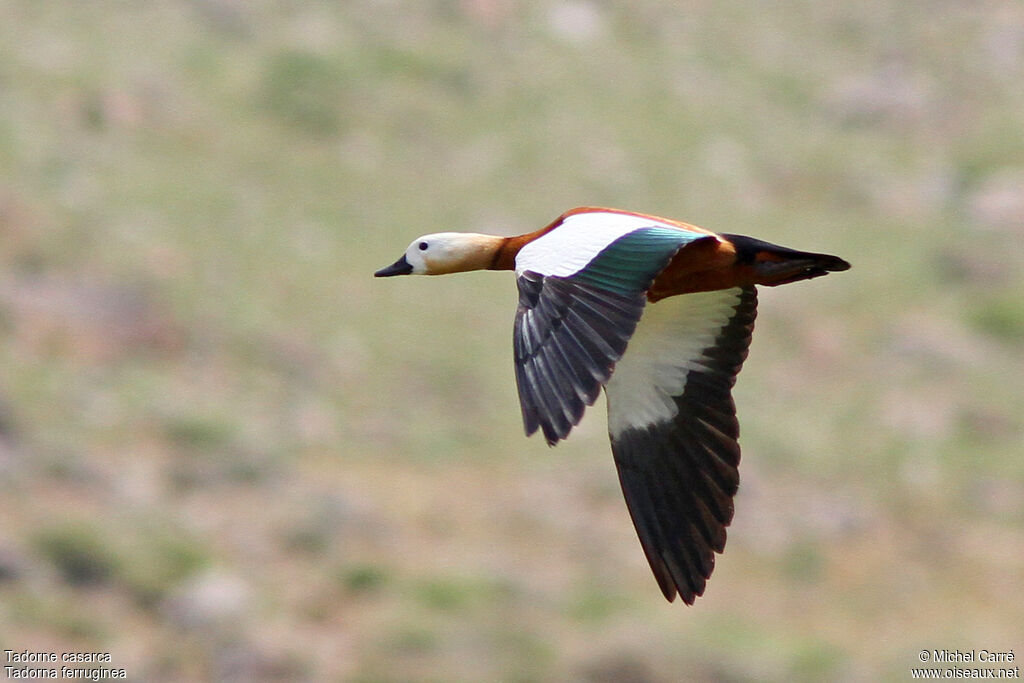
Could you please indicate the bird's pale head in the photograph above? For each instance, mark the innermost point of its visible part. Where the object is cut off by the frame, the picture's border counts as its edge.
(445, 252)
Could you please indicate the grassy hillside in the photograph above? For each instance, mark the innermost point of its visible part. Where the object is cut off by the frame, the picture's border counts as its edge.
(228, 453)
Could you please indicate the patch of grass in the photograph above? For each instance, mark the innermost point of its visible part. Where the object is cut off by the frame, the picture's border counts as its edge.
(82, 554)
(528, 653)
(363, 578)
(596, 605)
(445, 594)
(1001, 318)
(457, 594)
(411, 640)
(804, 562)
(816, 660)
(158, 561)
(210, 451)
(199, 432)
(60, 611)
(304, 90)
(146, 561)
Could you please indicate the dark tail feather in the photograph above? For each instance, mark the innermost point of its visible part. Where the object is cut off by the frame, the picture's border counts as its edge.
(774, 265)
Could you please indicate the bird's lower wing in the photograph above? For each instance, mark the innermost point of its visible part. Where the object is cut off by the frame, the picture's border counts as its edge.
(568, 336)
(673, 428)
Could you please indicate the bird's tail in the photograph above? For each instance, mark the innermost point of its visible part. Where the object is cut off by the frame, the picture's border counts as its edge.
(774, 265)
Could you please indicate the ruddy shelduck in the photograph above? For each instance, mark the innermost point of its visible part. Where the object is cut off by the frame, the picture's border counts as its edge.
(659, 313)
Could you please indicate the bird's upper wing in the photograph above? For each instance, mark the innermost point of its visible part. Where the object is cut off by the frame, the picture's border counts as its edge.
(577, 313)
(673, 429)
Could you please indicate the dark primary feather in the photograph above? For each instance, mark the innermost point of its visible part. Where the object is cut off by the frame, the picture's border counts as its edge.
(568, 335)
(679, 476)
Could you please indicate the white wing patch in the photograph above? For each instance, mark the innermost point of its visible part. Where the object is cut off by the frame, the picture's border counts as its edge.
(582, 236)
(666, 345)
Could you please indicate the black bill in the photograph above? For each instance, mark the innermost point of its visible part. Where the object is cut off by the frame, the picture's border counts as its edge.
(399, 267)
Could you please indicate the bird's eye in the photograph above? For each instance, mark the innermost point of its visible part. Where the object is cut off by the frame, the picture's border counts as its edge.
(423, 246)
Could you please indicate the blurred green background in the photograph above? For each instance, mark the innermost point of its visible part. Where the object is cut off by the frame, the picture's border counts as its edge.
(228, 453)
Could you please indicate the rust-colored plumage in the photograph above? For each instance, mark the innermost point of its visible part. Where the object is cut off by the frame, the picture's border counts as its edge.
(705, 265)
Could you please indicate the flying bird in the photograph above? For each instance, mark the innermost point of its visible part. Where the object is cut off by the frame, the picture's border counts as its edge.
(659, 314)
